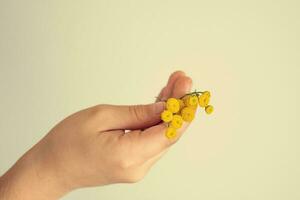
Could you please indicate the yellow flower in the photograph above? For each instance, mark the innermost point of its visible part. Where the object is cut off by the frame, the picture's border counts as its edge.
(191, 100)
(173, 105)
(181, 103)
(206, 93)
(176, 121)
(188, 114)
(170, 132)
(166, 116)
(203, 100)
(209, 109)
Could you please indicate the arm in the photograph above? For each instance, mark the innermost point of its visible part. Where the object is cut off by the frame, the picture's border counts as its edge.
(30, 178)
(91, 148)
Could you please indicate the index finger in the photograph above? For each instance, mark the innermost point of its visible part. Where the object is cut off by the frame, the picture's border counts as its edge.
(166, 92)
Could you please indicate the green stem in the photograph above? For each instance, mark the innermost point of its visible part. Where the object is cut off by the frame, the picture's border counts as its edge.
(191, 93)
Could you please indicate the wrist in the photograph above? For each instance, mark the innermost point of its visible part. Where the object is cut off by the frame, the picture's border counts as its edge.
(32, 178)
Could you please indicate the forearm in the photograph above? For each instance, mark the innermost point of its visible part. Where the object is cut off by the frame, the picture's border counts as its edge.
(29, 178)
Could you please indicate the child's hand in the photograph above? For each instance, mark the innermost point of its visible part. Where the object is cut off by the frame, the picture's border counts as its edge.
(91, 147)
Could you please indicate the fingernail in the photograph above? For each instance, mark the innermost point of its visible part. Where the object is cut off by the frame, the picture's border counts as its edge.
(159, 107)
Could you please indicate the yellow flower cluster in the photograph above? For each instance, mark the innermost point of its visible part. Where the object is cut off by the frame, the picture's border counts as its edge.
(183, 110)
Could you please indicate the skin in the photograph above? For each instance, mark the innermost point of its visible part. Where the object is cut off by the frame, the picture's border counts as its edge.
(91, 148)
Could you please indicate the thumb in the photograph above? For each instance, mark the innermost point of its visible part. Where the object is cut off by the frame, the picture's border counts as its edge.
(133, 116)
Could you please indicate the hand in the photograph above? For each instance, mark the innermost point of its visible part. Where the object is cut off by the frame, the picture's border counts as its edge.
(92, 148)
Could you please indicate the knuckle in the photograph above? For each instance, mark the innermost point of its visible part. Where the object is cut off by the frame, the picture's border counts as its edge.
(128, 171)
(98, 111)
(124, 160)
(132, 177)
(124, 163)
(128, 168)
(137, 111)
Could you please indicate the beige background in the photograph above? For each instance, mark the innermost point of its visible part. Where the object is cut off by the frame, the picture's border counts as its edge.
(57, 57)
